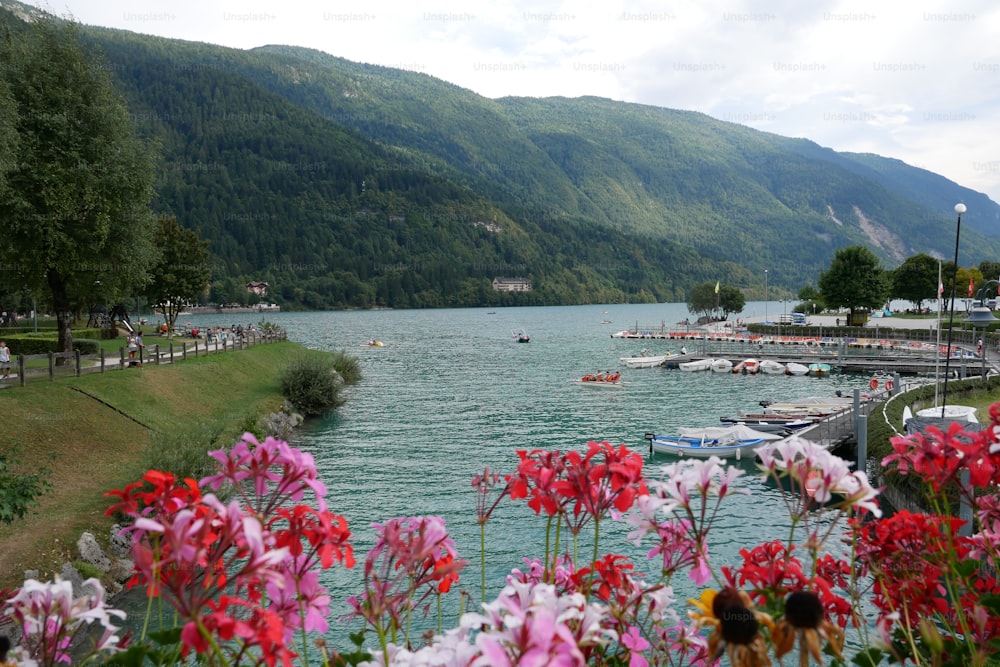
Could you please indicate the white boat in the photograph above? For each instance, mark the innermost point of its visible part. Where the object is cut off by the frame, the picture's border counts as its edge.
(644, 361)
(599, 384)
(792, 368)
(733, 441)
(520, 336)
(772, 367)
(722, 366)
(696, 365)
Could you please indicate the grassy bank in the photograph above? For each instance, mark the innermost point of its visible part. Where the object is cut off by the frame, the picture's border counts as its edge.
(93, 433)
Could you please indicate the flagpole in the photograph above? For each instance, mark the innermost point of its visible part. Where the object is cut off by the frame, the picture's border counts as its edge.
(937, 348)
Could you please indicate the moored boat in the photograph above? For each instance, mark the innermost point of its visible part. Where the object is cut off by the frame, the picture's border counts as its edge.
(645, 360)
(793, 368)
(722, 366)
(819, 369)
(747, 367)
(696, 365)
(734, 441)
(772, 367)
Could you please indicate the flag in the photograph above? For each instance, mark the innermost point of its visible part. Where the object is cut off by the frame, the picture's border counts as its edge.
(716, 286)
(970, 285)
(940, 288)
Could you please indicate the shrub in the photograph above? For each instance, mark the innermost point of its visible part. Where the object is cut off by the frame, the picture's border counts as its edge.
(349, 367)
(19, 491)
(87, 346)
(312, 384)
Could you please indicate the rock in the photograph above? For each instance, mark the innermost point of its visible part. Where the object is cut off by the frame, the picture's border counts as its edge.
(121, 569)
(119, 545)
(31, 574)
(91, 552)
(73, 576)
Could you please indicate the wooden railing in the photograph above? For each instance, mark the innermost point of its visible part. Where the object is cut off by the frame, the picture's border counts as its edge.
(77, 364)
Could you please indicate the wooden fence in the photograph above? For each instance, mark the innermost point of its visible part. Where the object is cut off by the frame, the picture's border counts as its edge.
(76, 364)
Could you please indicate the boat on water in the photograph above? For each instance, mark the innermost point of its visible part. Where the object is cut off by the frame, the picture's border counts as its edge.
(374, 343)
(605, 321)
(819, 369)
(772, 367)
(793, 368)
(601, 380)
(645, 360)
(747, 367)
(722, 366)
(733, 441)
(520, 336)
(696, 365)
(763, 423)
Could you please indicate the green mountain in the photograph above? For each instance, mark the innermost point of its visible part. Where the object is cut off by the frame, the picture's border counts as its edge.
(344, 184)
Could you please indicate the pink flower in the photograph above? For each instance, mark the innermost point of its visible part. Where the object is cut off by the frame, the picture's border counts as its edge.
(636, 643)
(51, 620)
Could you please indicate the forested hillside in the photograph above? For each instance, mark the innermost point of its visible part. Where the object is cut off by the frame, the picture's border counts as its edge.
(351, 185)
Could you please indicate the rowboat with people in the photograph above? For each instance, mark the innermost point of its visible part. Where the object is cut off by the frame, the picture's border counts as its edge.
(601, 379)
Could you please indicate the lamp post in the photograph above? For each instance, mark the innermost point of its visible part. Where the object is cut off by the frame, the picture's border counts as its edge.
(982, 315)
(959, 210)
(765, 295)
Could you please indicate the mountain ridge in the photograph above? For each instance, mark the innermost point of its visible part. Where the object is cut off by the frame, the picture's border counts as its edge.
(347, 184)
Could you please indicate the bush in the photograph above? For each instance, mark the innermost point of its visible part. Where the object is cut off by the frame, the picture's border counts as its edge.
(87, 346)
(349, 367)
(312, 384)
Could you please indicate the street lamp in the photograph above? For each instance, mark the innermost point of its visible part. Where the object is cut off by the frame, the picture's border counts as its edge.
(765, 296)
(982, 315)
(959, 210)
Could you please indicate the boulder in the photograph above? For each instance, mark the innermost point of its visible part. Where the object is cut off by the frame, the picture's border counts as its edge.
(91, 552)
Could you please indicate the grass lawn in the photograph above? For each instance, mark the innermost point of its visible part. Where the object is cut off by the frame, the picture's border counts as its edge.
(93, 433)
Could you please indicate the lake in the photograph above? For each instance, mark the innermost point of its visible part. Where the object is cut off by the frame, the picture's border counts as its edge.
(450, 393)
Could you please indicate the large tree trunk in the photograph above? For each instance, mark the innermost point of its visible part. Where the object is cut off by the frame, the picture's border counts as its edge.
(64, 314)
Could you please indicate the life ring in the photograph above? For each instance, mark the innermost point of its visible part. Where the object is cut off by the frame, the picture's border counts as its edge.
(889, 385)
(873, 383)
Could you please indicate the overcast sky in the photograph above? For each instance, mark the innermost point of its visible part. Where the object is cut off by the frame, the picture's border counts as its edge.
(909, 79)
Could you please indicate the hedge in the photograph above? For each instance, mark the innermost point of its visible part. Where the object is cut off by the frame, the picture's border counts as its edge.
(38, 344)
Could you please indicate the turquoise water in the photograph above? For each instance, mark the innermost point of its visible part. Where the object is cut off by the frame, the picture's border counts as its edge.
(451, 393)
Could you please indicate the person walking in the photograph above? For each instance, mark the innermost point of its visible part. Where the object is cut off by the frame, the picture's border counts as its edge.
(4, 360)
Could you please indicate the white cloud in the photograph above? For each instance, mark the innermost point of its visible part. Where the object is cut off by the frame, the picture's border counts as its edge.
(918, 81)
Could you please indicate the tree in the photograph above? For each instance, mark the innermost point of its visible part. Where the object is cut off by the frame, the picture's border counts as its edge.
(915, 280)
(181, 271)
(809, 293)
(702, 299)
(76, 206)
(731, 300)
(854, 280)
(990, 270)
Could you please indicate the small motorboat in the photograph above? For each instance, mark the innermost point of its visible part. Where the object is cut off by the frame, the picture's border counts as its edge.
(645, 360)
(762, 423)
(696, 365)
(747, 367)
(520, 336)
(772, 367)
(722, 366)
(733, 441)
(374, 343)
(792, 368)
(819, 369)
